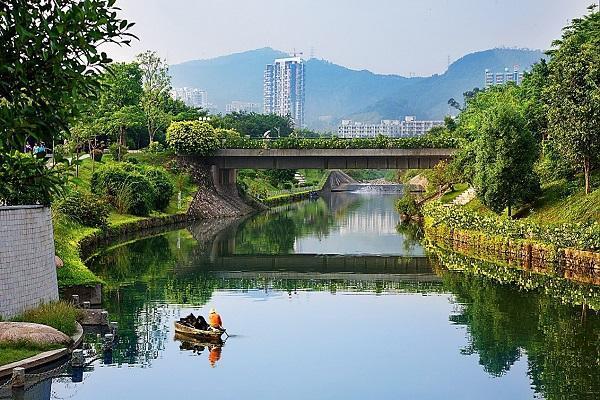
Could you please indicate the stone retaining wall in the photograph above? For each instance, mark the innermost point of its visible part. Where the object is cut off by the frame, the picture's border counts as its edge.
(27, 266)
(577, 265)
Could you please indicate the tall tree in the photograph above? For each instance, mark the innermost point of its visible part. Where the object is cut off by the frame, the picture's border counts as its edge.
(120, 99)
(573, 93)
(505, 152)
(156, 83)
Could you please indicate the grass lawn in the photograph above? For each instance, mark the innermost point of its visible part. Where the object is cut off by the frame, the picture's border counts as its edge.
(566, 202)
(561, 202)
(456, 191)
(59, 315)
(12, 353)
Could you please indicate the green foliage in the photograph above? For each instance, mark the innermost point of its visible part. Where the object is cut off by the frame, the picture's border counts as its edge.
(277, 177)
(162, 185)
(585, 236)
(254, 124)
(440, 176)
(125, 188)
(505, 152)
(118, 151)
(193, 137)
(155, 147)
(407, 205)
(551, 165)
(156, 83)
(26, 179)
(50, 62)
(379, 142)
(87, 209)
(59, 315)
(573, 93)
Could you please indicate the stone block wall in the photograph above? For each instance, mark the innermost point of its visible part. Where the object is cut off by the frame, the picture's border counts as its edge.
(27, 266)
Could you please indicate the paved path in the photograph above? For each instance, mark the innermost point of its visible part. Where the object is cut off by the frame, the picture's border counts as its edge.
(465, 197)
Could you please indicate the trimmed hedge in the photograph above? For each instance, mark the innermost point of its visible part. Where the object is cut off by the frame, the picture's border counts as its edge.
(378, 142)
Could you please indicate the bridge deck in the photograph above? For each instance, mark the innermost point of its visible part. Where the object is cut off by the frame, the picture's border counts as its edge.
(329, 158)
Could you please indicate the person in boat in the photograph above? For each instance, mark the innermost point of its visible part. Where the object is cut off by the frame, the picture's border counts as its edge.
(214, 319)
(201, 323)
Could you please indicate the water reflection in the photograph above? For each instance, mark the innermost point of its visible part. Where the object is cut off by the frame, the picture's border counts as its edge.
(396, 324)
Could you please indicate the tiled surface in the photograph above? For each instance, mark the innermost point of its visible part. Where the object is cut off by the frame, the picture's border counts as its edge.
(27, 269)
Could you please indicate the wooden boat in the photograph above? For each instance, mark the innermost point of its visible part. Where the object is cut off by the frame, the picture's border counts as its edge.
(212, 334)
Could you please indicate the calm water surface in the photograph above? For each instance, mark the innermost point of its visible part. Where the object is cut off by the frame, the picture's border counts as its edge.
(327, 300)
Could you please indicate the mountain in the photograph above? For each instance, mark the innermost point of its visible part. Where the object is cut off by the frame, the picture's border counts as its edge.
(334, 92)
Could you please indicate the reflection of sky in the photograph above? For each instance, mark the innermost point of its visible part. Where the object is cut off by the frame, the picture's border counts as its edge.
(369, 228)
(315, 345)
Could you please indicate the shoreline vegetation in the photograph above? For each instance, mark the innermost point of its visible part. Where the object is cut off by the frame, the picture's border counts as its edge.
(58, 315)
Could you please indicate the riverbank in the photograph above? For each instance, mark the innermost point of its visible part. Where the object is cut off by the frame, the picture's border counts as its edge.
(558, 235)
(71, 236)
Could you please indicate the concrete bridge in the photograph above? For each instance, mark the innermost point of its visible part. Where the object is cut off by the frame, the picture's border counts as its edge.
(328, 158)
(220, 170)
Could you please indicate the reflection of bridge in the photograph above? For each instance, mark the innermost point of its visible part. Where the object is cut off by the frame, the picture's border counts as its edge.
(317, 267)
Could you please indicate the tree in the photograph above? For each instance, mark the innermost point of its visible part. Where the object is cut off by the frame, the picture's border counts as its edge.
(49, 71)
(120, 99)
(156, 83)
(50, 62)
(573, 93)
(255, 125)
(505, 152)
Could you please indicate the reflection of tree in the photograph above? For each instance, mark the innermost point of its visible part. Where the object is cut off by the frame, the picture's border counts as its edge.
(513, 313)
(497, 328)
(276, 232)
(412, 234)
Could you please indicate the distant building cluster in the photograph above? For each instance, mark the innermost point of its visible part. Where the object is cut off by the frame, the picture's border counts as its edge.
(284, 89)
(407, 127)
(191, 96)
(500, 78)
(241, 106)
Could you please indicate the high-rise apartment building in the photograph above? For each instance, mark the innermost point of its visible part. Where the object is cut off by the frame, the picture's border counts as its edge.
(499, 78)
(284, 89)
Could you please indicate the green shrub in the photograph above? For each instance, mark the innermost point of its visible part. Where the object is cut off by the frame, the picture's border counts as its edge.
(26, 180)
(163, 187)
(59, 315)
(87, 209)
(125, 188)
(407, 205)
(155, 147)
(118, 151)
(193, 137)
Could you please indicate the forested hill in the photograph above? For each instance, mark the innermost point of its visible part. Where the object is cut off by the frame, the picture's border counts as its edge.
(334, 92)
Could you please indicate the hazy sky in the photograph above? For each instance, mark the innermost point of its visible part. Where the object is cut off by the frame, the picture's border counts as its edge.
(385, 36)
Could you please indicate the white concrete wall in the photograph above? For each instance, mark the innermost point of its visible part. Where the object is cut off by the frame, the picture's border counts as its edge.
(27, 267)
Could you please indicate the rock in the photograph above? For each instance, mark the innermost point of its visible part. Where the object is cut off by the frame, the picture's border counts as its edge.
(58, 262)
(30, 332)
(419, 180)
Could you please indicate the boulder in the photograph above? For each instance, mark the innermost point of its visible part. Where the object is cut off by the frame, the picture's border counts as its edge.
(33, 333)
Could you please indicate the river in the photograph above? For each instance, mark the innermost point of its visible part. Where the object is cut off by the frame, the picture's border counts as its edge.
(326, 299)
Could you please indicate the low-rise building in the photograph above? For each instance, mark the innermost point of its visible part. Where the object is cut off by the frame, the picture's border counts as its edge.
(500, 78)
(242, 106)
(407, 127)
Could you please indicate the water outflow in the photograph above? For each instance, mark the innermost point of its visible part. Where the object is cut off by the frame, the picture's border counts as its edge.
(371, 188)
